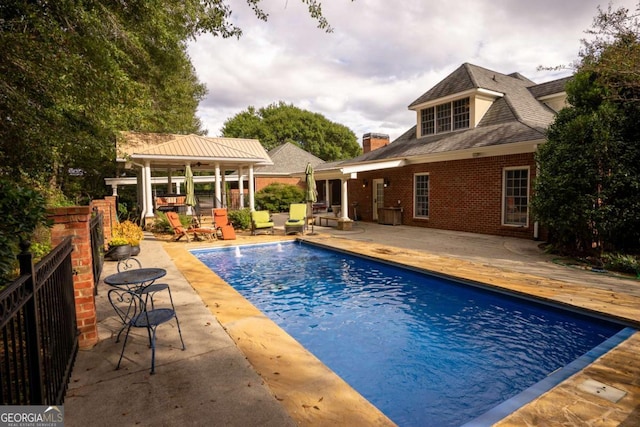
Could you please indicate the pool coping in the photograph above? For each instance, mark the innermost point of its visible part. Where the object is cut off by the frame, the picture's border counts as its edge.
(255, 334)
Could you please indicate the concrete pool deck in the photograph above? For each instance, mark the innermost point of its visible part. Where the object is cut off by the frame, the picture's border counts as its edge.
(241, 369)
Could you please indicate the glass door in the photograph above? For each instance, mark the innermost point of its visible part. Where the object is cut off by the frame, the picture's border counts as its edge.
(378, 196)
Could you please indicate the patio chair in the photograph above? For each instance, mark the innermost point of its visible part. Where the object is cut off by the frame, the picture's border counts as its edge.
(296, 221)
(261, 221)
(180, 231)
(131, 305)
(221, 223)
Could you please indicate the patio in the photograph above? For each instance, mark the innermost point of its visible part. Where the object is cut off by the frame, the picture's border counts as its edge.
(241, 370)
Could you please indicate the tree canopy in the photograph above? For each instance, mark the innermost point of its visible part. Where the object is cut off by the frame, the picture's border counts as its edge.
(279, 123)
(588, 186)
(74, 72)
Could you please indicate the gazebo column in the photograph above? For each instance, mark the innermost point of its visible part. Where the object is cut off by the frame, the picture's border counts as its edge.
(147, 192)
(224, 188)
(252, 199)
(241, 185)
(169, 183)
(218, 192)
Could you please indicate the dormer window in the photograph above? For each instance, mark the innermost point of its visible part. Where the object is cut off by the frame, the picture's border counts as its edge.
(445, 117)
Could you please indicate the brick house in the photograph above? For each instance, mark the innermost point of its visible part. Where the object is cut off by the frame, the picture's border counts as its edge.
(466, 165)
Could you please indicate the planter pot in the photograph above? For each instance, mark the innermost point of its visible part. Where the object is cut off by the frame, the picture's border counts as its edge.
(116, 253)
(135, 250)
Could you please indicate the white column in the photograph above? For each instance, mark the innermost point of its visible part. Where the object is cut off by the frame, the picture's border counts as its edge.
(147, 191)
(327, 190)
(252, 200)
(178, 187)
(344, 208)
(114, 189)
(218, 192)
(241, 185)
(224, 188)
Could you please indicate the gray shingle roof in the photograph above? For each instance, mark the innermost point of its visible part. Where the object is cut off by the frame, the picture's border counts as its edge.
(288, 158)
(549, 88)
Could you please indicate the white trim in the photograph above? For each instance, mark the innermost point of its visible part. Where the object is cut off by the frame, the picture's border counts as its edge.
(181, 159)
(456, 96)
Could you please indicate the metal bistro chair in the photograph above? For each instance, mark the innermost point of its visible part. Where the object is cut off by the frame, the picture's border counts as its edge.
(131, 305)
(131, 263)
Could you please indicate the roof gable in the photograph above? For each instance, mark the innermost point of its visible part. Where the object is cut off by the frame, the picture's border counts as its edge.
(514, 87)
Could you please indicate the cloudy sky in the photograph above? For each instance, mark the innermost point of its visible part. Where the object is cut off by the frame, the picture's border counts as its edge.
(382, 55)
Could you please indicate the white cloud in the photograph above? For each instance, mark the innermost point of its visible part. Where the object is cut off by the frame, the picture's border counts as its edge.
(381, 56)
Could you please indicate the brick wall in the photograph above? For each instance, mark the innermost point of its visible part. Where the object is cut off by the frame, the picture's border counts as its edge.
(465, 195)
(74, 221)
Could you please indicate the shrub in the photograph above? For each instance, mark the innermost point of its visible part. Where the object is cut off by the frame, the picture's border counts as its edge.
(127, 230)
(277, 197)
(240, 219)
(622, 263)
(23, 209)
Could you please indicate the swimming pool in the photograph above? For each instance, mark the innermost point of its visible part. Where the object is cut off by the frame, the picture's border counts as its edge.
(417, 347)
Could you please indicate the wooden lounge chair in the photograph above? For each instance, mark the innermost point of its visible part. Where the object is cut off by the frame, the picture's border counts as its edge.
(221, 223)
(296, 221)
(180, 231)
(261, 221)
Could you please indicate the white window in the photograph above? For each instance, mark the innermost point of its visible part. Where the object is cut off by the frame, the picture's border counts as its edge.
(445, 117)
(515, 200)
(421, 195)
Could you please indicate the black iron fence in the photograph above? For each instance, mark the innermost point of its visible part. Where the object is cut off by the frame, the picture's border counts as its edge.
(38, 331)
(96, 230)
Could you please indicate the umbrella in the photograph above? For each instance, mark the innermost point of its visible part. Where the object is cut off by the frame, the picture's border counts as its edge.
(190, 200)
(312, 193)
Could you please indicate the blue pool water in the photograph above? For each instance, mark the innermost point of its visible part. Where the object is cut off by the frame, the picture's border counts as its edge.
(423, 349)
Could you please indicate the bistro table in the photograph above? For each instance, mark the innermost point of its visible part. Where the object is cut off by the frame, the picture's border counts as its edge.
(136, 278)
(138, 281)
(129, 296)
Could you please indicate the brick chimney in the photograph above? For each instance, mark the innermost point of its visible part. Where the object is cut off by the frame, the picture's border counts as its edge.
(373, 141)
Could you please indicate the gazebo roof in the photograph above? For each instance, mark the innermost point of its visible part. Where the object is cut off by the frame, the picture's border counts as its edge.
(169, 150)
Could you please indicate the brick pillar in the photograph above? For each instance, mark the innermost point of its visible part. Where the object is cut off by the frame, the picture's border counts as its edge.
(75, 221)
(109, 208)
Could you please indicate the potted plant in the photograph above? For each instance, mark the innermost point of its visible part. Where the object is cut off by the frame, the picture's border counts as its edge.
(128, 232)
(119, 248)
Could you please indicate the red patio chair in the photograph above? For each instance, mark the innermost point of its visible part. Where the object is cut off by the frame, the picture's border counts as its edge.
(221, 222)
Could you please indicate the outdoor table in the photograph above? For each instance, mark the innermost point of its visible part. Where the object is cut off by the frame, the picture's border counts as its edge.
(136, 278)
(137, 281)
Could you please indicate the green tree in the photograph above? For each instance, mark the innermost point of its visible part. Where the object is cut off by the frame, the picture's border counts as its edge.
(279, 123)
(588, 186)
(75, 72)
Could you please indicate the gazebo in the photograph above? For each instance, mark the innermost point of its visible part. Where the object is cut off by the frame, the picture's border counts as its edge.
(148, 152)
